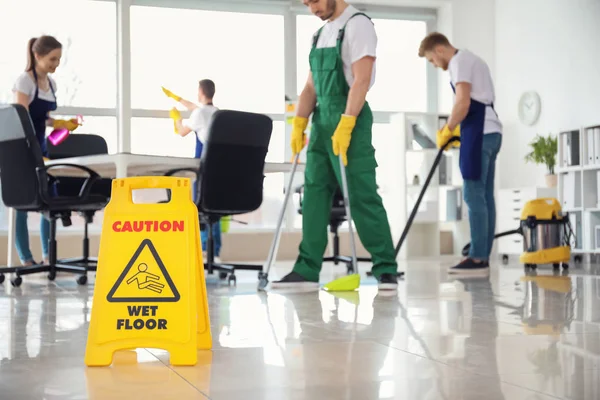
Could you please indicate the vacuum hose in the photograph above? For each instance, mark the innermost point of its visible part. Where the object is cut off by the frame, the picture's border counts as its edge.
(465, 250)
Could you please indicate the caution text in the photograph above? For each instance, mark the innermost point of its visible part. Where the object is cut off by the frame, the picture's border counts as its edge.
(141, 323)
(148, 226)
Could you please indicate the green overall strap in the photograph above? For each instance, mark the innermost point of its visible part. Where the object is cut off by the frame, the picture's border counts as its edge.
(342, 31)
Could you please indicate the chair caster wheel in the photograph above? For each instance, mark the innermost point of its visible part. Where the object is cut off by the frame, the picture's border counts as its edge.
(222, 275)
(505, 259)
(82, 280)
(232, 278)
(16, 282)
(556, 265)
(52, 275)
(2, 278)
(578, 259)
(530, 266)
(565, 266)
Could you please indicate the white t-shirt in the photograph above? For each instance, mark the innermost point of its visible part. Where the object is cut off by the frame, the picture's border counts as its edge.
(360, 40)
(200, 119)
(26, 84)
(467, 67)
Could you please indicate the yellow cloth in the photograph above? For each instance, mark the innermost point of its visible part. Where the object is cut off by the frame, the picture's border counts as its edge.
(342, 135)
(170, 94)
(69, 125)
(298, 136)
(175, 116)
(444, 134)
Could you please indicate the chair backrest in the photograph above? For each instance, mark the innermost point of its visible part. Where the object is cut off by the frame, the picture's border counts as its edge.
(20, 156)
(78, 145)
(232, 163)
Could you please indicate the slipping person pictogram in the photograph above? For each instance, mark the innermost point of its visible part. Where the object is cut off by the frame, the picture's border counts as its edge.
(146, 280)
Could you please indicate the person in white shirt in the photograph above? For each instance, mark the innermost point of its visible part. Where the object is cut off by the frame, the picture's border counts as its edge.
(199, 121)
(480, 141)
(342, 70)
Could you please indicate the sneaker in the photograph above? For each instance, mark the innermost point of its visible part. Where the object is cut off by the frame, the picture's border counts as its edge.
(387, 282)
(218, 260)
(470, 267)
(294, 280)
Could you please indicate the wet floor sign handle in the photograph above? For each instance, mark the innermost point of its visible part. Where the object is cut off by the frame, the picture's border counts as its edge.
(150, 289)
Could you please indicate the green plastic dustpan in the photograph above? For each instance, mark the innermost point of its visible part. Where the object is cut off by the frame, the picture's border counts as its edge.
(346, 283)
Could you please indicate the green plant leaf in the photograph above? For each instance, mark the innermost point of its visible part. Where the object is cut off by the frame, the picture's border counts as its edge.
(543, 151)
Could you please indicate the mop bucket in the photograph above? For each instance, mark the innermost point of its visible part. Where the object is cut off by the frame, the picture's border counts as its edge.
(546, 233)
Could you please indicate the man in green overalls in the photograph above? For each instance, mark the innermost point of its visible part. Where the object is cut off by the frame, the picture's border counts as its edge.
(342, 70)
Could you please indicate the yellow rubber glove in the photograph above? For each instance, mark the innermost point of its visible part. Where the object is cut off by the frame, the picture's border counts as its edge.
(444, 134)
(170, 94)
(69, 125)
(298, 138)
(175, 116)
(342, 135)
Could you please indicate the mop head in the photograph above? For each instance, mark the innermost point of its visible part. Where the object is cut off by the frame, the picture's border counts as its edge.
(346, 283)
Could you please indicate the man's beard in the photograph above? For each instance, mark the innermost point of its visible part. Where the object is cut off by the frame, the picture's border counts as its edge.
(331, 7)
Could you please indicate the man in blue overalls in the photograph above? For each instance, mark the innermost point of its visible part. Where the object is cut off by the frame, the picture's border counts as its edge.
(481, 138)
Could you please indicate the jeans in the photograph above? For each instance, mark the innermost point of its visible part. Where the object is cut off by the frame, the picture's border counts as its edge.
(479, 197)
(216, 238)
(22, 236)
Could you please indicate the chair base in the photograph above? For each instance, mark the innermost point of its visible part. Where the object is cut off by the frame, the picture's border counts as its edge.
(336, 259)
(227, 270)
(50, 269)
(54, 265)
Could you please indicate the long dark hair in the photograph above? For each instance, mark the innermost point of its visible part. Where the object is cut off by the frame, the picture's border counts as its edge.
(40, 46)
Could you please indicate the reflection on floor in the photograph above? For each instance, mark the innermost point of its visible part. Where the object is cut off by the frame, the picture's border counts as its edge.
(507, 336)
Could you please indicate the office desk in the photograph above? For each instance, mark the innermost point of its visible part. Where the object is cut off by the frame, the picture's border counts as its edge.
(122, 165)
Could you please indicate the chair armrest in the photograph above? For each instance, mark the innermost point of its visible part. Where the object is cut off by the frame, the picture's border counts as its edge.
(43, 176)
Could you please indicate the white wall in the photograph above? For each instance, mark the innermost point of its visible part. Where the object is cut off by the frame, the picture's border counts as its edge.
(468, 24)
(550, 46)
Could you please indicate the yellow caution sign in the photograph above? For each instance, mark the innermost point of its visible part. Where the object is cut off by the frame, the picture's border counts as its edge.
(150, 288)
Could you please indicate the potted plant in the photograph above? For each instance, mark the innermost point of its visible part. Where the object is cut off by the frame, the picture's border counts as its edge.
(544, 150)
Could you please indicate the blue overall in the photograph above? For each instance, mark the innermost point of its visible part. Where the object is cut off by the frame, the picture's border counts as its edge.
(477, 162)
(217, 225)
(38, 111)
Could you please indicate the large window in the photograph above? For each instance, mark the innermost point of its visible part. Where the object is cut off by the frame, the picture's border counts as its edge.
(241, 53)
(401, 82)
(87, 76)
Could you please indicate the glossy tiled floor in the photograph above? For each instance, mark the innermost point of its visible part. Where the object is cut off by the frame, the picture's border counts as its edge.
(509, 336)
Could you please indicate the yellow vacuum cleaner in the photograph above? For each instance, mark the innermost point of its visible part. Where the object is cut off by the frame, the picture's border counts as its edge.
(546, 234)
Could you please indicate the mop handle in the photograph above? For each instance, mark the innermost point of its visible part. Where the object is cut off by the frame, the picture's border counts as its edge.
(277, 238)
(347, 205)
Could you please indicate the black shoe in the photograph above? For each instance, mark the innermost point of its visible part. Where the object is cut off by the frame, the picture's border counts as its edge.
(294, 280)
(470, 267)
(388, 282)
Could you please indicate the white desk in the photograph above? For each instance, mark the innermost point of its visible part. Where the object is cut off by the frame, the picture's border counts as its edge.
(120, 166)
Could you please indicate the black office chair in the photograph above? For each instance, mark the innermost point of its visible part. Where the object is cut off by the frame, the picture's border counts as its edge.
(231, 175)
(336, 218)
(28, 186)
(78, 145)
